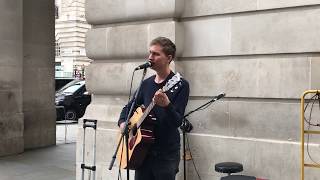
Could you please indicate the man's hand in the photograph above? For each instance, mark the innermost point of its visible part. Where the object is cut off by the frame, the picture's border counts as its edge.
(161, 99)
(122, 125)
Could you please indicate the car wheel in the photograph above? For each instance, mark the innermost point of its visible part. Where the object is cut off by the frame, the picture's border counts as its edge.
(71, 115)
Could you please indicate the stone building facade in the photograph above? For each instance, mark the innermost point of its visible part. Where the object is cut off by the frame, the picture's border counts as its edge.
(262, 53)
(70, 30)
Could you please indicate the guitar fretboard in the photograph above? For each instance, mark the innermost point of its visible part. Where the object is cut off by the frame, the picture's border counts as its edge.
(145, 113)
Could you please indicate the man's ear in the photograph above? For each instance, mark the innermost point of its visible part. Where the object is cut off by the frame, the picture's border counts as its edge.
(170, 58)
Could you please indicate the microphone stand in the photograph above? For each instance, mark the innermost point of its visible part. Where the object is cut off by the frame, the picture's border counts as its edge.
(125, 132)
(184, 119)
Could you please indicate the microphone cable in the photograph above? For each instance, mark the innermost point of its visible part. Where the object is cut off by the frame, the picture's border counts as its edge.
(127, 111)
(194, 165)
(129, 98)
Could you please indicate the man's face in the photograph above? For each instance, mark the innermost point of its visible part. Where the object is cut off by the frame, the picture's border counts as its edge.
(158, 58)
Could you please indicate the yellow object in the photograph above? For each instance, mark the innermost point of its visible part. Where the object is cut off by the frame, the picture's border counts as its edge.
(303, 131)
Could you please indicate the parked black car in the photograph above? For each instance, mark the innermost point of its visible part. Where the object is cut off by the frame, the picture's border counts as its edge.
(72, 100)
(60, 82)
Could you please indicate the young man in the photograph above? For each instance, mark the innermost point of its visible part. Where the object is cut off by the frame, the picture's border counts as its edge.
(163, 157)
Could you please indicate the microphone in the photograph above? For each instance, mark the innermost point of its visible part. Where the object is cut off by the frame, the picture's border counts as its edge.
(221, 95)
(144, 66)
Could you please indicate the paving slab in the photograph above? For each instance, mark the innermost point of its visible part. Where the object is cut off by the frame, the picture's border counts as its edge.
(50, 163)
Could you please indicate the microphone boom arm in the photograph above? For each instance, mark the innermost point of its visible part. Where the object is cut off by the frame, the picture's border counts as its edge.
(209, 102)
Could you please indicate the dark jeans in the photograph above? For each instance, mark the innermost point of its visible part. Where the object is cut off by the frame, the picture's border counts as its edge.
(159, 167)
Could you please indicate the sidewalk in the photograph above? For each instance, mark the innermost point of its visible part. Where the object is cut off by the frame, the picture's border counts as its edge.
(51, 163)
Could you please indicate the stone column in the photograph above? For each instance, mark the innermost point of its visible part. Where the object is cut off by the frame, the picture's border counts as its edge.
(27, 114)
(38, 73)
(11, 68)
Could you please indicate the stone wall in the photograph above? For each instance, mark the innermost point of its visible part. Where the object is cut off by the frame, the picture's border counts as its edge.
(263, 54)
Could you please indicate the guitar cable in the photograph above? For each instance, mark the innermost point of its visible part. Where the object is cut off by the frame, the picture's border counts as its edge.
(313, 99)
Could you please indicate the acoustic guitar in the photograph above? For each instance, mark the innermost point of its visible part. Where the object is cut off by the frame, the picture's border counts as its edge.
(141, 131)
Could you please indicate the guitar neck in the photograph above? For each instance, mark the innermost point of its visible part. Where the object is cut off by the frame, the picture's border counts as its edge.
(145, 113)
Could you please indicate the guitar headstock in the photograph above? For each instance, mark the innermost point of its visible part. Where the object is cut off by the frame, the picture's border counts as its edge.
(172, 82)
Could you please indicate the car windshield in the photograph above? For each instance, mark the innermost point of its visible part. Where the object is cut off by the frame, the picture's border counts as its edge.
(71, 87)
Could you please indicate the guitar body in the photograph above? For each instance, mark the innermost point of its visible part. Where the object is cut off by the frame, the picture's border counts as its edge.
(140, 140)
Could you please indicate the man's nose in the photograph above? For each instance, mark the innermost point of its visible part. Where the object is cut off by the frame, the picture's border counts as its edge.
(150, 57)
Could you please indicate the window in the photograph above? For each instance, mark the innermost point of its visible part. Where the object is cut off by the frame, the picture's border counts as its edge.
(58, 51)
(56, 12)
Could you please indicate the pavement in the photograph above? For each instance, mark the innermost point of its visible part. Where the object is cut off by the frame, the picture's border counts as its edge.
(50, 163)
